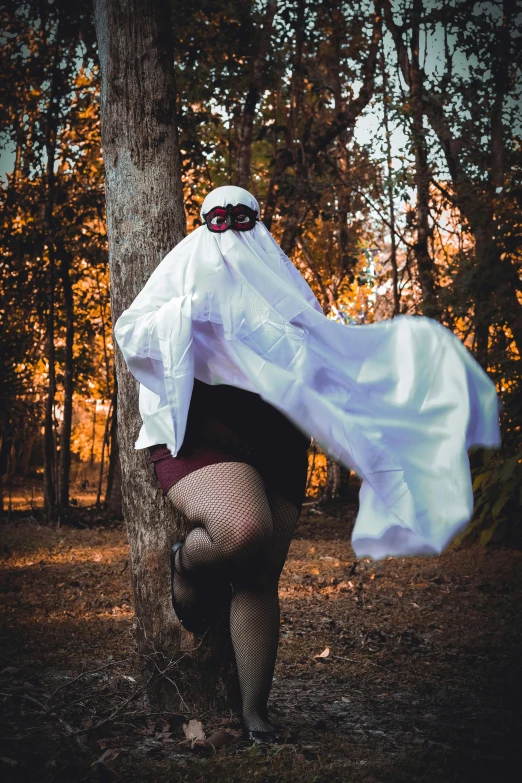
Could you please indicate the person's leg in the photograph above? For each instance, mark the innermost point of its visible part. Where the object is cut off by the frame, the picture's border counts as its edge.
(255, 617)
(227, 504)
(247, 535)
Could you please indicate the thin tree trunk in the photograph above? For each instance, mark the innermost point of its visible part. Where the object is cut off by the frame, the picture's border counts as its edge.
(49, 441)
(145, 219)
(333, 480)
(389, 189)
(113, 445)
(5, 450)
(105, 441)
(244, 153)
(113, 498)
(425, 266)
(337, 482)
(50, 476)
(93, 434)
(68, 381)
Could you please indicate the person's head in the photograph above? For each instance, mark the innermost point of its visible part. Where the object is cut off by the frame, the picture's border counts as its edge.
(230, 207)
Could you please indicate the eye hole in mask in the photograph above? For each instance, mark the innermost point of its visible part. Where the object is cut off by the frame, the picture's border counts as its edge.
(238, 217)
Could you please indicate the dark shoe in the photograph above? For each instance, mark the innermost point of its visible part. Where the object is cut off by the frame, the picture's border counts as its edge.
(192, 621)
(213, 593)
(275, 737)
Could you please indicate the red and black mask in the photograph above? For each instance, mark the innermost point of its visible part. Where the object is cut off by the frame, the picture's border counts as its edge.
(238, 217)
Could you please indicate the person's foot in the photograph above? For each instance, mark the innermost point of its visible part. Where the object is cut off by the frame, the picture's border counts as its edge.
(260, 732)
(186, 601)
(196, 602)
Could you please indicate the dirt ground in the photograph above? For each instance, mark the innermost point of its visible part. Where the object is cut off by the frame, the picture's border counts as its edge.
(421, 681)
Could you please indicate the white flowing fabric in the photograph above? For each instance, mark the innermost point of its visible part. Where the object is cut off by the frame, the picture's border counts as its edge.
(399, 401)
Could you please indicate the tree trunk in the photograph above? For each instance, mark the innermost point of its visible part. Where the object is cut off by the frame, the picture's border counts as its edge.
(114, 470)
(51, 124)
(49, 442)
(337, 486)
(244, 153)
(425, 267)
(145, 219)
(113, 498)
(93, 433)
(68, 381)
(105, 441)
(390, 194)
(5, 449)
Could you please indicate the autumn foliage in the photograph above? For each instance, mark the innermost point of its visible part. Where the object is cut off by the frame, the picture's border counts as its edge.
(382, 141)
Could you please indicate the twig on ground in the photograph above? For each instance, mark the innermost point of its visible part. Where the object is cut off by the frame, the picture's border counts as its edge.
(83, 674)
(118, 709)
(68, 728)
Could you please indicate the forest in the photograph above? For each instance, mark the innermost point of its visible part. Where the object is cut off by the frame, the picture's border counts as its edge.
(383, 142)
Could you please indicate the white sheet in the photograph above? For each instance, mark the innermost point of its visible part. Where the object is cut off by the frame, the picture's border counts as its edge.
(399, 402)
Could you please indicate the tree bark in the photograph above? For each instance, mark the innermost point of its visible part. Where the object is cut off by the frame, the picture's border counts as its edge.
(145, 219)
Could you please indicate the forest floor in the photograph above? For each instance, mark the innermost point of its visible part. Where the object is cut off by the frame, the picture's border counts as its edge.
(420, 678)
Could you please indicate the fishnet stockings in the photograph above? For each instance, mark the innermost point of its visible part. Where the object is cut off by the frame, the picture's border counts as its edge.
(243, 535)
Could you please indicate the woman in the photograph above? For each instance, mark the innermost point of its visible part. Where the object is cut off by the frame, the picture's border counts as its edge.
(239, 478)
(236, 360)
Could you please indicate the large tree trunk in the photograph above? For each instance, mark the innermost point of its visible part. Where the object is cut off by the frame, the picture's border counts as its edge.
(145, 219)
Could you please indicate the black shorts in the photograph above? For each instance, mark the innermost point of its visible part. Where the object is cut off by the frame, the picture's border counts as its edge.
(227, 424)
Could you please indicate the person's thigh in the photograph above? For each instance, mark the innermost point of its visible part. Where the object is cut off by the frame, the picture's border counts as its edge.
(285, 516)
(229, 500)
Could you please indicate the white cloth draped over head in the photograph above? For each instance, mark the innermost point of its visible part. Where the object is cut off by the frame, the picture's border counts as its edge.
(398, 401)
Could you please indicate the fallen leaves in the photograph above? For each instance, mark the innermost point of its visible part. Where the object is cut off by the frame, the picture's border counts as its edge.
(193, 730)
(222, 738)
(325, 653)
(218, 740)
(107, 760)
(358, 646)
